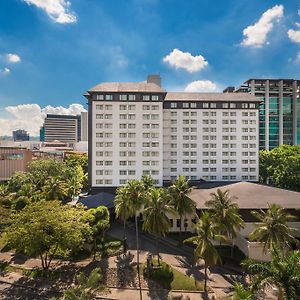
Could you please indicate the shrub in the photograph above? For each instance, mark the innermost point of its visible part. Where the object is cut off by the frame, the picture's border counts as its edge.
(162, 272)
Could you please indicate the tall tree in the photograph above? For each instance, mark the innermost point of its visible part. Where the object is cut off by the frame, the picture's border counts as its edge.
(207, 231)
(183, 204)
(226, 214)
(137, 198)
(123, 209)
(98, 219)
(156, 214)
(273, 230)
(283, 271)
(43, 227)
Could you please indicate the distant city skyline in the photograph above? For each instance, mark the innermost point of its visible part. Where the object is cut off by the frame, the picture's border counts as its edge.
(52, 52)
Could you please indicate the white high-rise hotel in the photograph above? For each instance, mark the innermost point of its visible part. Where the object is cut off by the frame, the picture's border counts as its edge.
(138, 129)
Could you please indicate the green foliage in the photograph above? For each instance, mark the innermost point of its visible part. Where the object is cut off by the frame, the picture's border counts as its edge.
(273, 230)
(163, 271)
(242, 293)
(183, 204)
(207, 231)
(98, 219)
(282, 165)
(283, 271)
(44, 180)
(43, 227)
(225, 213)
(85, 287)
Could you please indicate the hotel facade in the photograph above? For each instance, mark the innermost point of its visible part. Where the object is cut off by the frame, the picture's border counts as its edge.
(138, 129)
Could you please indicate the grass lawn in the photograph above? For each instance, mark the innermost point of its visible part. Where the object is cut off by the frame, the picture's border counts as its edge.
(172, 279)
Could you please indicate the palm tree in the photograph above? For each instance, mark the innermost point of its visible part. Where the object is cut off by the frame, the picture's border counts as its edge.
(122, 207)
(55, 189)
(183, 204)
(148, 182)
(283, 271)
(226, 214)
(273, 230)
(136, 197)
(155, 214)
(207, 231)
(242, 293)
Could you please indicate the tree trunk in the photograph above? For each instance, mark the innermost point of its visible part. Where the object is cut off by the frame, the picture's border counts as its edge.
(138, 255)
(232, 248)
(180, 225)
(157, 250)
(94, 250)
(42, 260)
(205, 277)
(280, 293)
(124, 224)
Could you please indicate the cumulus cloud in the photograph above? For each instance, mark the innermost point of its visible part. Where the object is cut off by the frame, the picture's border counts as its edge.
(5, 71)
(31, 117)
(185, 60)
(201, 86)
(256, 35)
(294, 35)
(57, 10)
(13, 58)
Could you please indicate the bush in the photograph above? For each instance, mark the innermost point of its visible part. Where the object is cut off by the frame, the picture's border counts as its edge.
(162, 272)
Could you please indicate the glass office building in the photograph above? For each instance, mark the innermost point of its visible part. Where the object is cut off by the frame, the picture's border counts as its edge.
(279, 114)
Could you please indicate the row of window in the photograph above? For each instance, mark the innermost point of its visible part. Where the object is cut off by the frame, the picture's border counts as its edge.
(212, 105)
(126, 97)
(213, 161)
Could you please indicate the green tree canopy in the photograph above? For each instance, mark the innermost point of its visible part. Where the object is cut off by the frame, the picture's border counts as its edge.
(273, 230)
(98, 219)
(183, 204)
(42, 228)
(206, 232)
(282, 166)
(283, 271)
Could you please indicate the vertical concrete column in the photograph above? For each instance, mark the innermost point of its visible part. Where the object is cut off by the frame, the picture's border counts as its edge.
(253, 87)
(294, 108)
(280, 112)
(267, 104)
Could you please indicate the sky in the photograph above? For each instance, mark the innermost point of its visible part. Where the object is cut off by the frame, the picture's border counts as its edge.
(52, 51)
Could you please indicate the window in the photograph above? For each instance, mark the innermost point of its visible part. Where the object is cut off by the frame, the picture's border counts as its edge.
(100, 97)
(205, 105)
(232, 105)
(108, 97)
(213, 105)
(146, 97)
(131, 97)
(154, 98)
(99, 163)
(194, 105)
(185, 105)
(123, 97)
(225, 105)
(99, 106)
(173, 105)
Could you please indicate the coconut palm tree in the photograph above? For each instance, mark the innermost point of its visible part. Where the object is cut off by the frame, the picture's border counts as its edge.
(156, 214)
(283, 271)
(242, 293)
(273, 230)
(136, 198)
(148, 182)
(207, 231)
(55, 189)
(122, 207)
(226, 214)
(183, 204)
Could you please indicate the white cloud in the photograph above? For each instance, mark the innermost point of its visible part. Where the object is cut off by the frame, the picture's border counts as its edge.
(5, 71)
(201, 86)
(57, 10)
(294, 35)
(31, 116)
(256, 35)
(13, 58)
(185, 60)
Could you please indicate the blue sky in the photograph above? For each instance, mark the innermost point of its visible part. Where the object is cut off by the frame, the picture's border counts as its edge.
(58, 49)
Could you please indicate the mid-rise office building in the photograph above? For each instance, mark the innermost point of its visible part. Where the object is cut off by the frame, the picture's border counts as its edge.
(279, 112)
(20, 135)
(63, 128)
(140, 129)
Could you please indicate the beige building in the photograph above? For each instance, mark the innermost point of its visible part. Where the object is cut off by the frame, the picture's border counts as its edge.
(249, 197)
(12, 160)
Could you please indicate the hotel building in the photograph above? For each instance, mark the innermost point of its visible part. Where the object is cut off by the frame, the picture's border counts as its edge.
(279, 111)
(140, 129)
